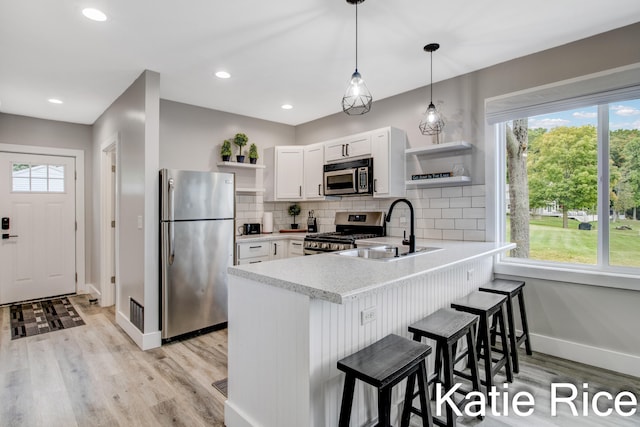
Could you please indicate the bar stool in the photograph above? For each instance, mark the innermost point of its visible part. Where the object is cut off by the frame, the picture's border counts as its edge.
(486, 305)
(512, 289)
(447, 327)
(384, 364)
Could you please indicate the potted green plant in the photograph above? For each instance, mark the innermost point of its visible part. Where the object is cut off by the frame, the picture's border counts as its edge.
(294, 210)
(253, 153)
(225, 150)
(240, 140)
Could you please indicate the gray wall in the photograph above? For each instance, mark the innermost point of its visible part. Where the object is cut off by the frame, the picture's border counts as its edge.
(135, 117)
(21, 130)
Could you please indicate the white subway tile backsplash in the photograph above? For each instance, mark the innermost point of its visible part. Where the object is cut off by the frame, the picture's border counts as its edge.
(432, 213)
(445, 224)
(474, 190)
(474, 235)
(460, 202)
(456, 213)
(433, 234)
(452, 213)
(478, 202)
(439, 203)
(431, 193)
(474, 213)
(452, 234)
(452, 192)
(466, 224)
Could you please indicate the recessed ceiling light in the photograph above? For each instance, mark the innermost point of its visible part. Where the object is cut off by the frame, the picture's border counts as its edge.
(55, 101)
(94, 14)
(287, 106)
(223, 75)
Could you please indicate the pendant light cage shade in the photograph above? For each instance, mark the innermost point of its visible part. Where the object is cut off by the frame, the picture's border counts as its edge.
(357, 99)
(432, 122)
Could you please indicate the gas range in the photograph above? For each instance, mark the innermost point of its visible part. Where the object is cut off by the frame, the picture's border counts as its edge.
(350, 226)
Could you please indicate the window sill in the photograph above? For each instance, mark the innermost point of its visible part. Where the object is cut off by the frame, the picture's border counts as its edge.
(570, 274)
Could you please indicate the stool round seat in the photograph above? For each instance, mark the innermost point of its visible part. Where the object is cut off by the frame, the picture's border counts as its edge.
(513, 289)
(384, 364)
(487, 305)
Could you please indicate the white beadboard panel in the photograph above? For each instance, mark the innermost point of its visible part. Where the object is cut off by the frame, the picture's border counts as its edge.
(336, 332)
(284, 347)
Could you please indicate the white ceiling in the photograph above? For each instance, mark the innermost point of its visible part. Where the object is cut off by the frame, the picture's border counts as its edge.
(300, 52)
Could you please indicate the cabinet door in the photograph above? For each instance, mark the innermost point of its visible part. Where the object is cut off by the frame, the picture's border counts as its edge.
(358, 145)
(253, 260)
(349, 147)
(252, 249)
(334, 150)
(295, 248)
(313, 172)
(380, 151)
(278, 249)
(289, 172)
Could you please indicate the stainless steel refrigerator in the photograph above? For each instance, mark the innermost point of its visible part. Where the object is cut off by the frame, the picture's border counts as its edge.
(197, 239)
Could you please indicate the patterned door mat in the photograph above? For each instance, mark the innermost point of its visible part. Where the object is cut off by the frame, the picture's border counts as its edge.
(40, 317)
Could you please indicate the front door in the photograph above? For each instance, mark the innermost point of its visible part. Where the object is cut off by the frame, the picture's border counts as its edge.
(37, 205)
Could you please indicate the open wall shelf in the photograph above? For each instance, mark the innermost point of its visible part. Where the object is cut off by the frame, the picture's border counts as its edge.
(439, 148)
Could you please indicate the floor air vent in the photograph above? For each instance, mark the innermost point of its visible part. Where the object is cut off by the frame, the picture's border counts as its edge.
(136, 314)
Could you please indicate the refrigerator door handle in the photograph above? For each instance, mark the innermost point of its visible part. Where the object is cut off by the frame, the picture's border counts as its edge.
(171, 217)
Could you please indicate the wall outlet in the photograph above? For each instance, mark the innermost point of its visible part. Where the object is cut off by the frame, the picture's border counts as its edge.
(403, 220)
(368, 315)
(469, 274)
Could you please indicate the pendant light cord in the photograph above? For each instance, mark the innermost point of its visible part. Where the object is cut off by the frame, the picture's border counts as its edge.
(356, 36)
(431, 83)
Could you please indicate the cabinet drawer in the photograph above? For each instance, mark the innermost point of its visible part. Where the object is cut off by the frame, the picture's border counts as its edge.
(253, 260)
(296, 248)
(251, 250)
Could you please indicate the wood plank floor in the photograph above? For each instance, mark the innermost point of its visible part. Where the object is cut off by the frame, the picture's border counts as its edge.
(94, 375)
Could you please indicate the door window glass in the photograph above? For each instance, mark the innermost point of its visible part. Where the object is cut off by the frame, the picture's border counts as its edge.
(37, 178)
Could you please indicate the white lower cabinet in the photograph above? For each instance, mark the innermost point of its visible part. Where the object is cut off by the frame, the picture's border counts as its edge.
(252, 252)
(296, 248)
(278, 249)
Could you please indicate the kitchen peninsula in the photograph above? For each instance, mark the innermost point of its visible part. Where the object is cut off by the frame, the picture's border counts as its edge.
(291, 320)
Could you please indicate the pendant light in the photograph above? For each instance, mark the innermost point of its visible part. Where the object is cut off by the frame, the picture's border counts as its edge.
(357, 99)
(432, 122)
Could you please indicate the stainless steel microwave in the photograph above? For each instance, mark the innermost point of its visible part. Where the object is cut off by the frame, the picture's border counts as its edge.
(354, 177)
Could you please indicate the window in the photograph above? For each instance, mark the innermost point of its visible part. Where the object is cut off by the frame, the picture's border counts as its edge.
(555, 208)
(37, 178)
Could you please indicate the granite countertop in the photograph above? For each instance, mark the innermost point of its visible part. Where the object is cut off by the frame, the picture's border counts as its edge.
(337, 278)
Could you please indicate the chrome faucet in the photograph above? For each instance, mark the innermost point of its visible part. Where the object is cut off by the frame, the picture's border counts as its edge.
(412, 235)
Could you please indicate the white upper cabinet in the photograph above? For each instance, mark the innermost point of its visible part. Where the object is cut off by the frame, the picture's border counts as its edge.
(387, 148)
(313, 171)
(284, 173)
(349, 147)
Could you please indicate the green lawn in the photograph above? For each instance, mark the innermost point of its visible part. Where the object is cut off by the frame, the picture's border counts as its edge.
(551, 242)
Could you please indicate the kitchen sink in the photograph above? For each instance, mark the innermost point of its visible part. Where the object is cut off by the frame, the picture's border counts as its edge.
(386, 252)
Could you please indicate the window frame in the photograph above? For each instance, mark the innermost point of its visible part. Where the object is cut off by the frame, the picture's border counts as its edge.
(600, 274)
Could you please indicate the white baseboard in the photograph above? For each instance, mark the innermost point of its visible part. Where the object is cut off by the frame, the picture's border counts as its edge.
(628, 364)
(234, 417)
(144, 341)
(90, 288)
